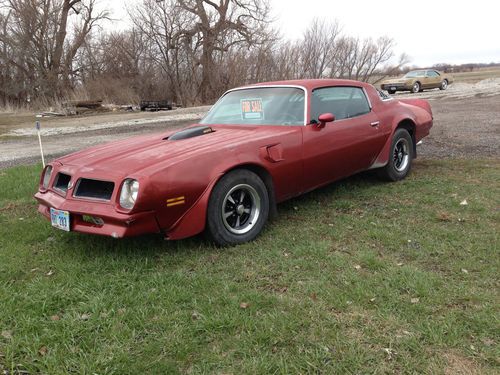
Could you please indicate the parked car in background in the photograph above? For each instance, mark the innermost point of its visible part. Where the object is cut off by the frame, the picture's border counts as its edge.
(155, 105)
(259, 145)
(417, 80)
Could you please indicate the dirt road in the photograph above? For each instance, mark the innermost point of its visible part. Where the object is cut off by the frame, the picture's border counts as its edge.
(62, 136)
(466, 125)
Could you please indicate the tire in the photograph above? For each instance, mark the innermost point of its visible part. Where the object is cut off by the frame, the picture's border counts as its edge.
(391, 92)
(416, 87)
(238, 208)
(444, 85)
(400, 157)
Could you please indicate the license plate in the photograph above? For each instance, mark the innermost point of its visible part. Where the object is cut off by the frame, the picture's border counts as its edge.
(59, 219)
(393, 88)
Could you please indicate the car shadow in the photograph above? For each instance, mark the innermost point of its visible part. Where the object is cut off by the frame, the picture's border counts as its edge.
(361, 180)
(155, 246)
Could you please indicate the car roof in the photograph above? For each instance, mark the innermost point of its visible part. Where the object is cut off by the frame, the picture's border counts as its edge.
(422, 70)
(311, 84)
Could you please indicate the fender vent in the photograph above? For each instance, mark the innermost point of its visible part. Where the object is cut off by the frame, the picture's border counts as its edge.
(194, 131)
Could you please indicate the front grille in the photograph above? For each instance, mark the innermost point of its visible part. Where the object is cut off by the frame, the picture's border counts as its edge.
(94, 189)
(62, 182)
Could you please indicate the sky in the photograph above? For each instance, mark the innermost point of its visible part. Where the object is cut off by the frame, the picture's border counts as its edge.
(429, 31)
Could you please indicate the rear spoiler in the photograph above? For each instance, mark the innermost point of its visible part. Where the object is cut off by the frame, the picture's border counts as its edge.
(422, 103)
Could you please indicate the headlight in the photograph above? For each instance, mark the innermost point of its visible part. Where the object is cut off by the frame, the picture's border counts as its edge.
(46, 177)
(128, 195)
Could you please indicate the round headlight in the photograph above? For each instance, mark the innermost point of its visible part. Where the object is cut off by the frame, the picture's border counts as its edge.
(129, 193)
(46, 177)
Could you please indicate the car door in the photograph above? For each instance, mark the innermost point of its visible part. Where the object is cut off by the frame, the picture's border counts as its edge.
(345, 146)
(433, 79)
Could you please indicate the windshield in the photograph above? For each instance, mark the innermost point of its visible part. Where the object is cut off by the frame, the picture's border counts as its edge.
(418, 73)
(259, 106)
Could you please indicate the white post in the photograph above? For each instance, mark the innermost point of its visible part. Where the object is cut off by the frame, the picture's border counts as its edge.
(37, 125)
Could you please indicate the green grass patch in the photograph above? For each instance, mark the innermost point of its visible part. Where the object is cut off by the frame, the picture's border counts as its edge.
(358, 277)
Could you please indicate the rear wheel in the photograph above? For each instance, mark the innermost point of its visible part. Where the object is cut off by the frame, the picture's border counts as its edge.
(444, 85)
(391, 91)
(416, 87)
(238, 208)
(400, 158)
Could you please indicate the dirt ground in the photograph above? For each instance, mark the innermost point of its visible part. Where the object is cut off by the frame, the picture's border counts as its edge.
(466, 125)
(464, 128)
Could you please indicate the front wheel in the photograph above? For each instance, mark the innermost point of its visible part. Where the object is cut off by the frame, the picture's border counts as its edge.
(238, 208)
(400, 158)
(415, 88)
(391, 92)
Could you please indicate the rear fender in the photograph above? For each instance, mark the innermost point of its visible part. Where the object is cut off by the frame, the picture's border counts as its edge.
(422, 103)
(419, 113)
(383, 157)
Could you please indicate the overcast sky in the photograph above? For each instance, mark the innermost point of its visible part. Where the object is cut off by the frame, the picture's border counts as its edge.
(429, 31)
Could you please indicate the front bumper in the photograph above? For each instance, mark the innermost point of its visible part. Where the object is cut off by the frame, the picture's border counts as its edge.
(115, 224)
(396, 87)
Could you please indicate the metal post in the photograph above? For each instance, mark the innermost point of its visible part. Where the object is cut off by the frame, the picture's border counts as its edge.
(37, 126)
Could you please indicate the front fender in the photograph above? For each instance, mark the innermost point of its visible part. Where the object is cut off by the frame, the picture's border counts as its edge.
(193, 221)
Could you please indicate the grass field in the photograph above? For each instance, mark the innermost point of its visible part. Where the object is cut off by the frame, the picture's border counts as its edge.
(477, 75)
(359, 277)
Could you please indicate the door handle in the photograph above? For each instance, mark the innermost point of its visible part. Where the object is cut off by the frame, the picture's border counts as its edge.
(375, 123)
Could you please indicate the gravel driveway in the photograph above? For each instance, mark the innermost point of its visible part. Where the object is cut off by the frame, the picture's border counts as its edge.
(464, 128)
(466, 125)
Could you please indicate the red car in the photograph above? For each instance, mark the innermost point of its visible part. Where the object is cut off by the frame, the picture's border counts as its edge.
(259, 145)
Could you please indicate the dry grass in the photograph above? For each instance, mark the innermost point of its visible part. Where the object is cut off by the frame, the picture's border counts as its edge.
(457, 364)
(477, 75)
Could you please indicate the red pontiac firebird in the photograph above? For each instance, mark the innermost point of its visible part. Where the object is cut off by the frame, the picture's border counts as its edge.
(259, 145)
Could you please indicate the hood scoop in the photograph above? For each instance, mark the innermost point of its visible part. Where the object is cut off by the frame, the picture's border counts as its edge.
(194, 131)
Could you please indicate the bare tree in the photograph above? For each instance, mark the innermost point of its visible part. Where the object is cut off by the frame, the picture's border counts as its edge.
(220, 25)
(185, 50)
(361, 59)
(34, 41)
(318, 48)
(401, 66)
(174, 55)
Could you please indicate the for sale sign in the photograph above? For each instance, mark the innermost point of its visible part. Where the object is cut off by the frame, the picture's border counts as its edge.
(252, 109)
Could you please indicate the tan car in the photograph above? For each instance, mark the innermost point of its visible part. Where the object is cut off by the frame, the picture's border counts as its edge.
(417, 80)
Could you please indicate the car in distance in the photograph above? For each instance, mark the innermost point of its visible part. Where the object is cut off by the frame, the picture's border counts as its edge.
(417, 81)
(258, 145)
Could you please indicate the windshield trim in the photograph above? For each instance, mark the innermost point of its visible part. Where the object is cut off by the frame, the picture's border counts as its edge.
(271, 87)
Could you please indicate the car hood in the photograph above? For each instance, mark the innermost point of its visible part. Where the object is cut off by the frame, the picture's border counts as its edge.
(134, 154)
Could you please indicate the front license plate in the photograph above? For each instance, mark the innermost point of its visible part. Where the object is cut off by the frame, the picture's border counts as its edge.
(59, 219)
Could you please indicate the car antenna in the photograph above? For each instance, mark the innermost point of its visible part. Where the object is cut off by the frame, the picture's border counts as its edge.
(38, 126)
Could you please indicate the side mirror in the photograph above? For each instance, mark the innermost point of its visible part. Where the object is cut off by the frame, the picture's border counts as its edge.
(324, 118)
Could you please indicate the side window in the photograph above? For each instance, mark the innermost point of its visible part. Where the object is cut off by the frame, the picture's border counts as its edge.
(432, 74)
(342, 101)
